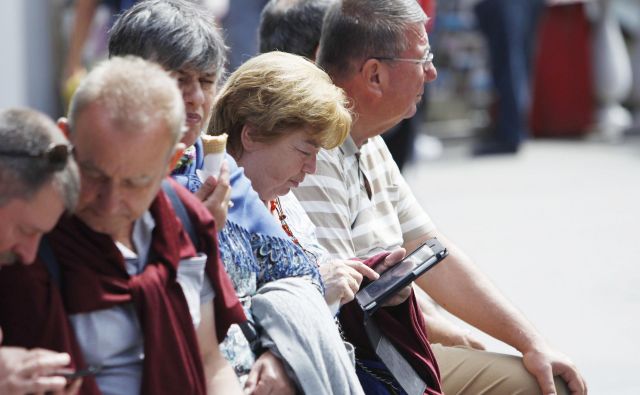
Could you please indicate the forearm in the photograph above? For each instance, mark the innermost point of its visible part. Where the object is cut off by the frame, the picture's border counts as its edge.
(438, 328)
(221, 379)
(83, 16)
(459, 287)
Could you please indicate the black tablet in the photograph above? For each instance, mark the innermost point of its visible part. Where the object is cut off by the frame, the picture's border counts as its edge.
(399, 276)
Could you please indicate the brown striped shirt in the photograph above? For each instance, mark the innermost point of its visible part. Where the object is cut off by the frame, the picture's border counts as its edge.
(359, 201)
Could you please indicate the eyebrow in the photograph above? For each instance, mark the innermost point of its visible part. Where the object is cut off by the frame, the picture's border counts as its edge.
(313, 143)
(186, 73)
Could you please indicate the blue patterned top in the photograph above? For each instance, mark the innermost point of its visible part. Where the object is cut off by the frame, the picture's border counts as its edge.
(255, 250)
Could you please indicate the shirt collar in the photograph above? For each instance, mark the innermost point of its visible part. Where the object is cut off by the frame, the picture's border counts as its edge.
(349, 147)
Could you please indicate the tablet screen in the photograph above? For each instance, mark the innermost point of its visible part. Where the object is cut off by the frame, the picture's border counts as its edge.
(397, 276)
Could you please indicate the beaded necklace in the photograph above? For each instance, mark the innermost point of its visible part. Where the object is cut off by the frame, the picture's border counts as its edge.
(276, 207)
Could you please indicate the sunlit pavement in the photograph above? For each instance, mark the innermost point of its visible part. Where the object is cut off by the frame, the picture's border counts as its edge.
(557, 228)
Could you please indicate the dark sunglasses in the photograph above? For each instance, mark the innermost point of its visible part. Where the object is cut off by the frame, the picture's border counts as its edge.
(55, 155)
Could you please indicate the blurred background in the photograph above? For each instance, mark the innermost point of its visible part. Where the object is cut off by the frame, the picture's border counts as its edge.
(526, 150)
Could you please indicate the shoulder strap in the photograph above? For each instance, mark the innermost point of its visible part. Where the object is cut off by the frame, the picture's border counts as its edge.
(181, 212)
(46, 254)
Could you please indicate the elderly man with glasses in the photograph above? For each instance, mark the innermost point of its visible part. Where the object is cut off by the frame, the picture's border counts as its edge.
(378, 52)
(38, 181)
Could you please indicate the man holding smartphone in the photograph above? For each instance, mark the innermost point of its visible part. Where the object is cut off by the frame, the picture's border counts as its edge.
(38, 181)
(361, 204)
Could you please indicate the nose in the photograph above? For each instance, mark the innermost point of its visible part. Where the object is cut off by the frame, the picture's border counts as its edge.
(192, 93)
(310, 165)
(430, 73)
(27, 249)
(108, 199)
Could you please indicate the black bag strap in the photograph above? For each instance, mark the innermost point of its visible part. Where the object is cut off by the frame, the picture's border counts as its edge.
(248, 328)
(46, 255)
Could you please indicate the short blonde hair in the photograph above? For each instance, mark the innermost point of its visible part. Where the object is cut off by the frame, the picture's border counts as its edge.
(275, 92)
(135, 92)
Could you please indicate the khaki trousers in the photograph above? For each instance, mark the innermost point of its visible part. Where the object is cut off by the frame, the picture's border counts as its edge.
(466, 371)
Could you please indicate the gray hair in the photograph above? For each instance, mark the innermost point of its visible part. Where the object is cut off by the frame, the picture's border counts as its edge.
(293, 26)
(175, 33)
(134, 92)
(26, 136)
(355, 30)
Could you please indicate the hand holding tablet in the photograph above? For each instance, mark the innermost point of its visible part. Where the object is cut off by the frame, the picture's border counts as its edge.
(423, 258)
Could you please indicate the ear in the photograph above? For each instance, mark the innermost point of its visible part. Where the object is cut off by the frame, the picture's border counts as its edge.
(63, 125)
(373, 76)
(178, 150)
(247, 140)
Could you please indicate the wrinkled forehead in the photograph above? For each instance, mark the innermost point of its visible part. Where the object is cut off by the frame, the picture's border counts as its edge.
(417, 34)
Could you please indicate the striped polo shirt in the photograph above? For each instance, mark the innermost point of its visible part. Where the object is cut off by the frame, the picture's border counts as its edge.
(359, 201)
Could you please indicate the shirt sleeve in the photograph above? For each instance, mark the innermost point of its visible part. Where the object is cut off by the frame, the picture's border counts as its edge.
(195, 285)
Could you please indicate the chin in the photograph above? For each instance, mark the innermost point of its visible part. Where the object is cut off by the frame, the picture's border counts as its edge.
(191, 136)
(100, 224)
(411, 113)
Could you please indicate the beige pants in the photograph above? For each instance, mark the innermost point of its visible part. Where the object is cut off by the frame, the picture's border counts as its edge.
(473, 372)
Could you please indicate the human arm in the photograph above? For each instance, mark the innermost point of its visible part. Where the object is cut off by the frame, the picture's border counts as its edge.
(440, 329)
(458, 286)
(219, 375)
(268, 376)
(215, 194)
(84, 11)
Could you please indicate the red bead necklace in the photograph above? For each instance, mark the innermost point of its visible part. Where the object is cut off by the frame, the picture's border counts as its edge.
(276, 207)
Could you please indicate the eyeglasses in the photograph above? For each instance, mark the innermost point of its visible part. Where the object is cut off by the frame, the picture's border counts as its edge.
(55, 155)
(426, 61)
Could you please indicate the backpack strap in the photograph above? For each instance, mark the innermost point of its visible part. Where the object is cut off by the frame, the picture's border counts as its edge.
(45, 253)
(181, 212)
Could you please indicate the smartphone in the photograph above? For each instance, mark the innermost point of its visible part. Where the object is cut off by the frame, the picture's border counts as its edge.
(400, 275)
(90, 370)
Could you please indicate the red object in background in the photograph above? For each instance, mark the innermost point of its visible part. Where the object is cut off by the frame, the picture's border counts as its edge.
(429, 7)
(563, 98)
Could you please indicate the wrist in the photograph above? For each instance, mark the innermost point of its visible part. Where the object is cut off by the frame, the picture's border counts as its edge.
(532, 343)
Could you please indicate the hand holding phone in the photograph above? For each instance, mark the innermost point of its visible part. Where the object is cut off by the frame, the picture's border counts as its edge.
(71, 375)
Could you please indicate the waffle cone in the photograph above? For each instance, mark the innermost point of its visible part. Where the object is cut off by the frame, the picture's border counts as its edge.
(214, 144)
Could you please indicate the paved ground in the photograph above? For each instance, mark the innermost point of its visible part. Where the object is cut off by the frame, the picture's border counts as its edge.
(556, 228)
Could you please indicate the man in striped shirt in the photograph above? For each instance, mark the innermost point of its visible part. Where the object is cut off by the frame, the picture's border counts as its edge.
(379, 53)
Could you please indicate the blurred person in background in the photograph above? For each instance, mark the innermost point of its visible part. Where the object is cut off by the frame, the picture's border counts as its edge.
(239, 25)
(39, 180)
(510, 28)
(292, 26)
(84, 17)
